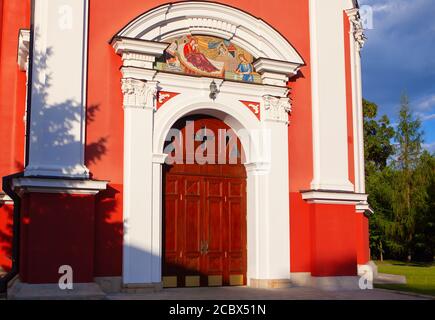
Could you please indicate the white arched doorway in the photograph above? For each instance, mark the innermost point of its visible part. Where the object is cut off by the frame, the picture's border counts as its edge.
(155, 100)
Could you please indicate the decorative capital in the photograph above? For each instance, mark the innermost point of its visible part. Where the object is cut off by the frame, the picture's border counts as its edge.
(23, 49)
(139, 94)
(277, 109)
(357, 29)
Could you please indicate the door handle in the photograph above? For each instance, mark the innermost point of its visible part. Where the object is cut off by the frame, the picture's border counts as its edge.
(203, 247)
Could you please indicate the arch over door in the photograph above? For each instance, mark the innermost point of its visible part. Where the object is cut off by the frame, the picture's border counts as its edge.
(205, 213)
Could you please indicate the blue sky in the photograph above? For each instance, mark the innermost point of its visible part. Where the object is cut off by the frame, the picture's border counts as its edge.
(399, 55)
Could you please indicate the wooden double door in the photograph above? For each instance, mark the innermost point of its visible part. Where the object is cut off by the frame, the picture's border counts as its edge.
(204, 223)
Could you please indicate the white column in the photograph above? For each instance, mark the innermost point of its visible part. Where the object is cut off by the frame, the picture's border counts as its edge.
(328, 75)
(276, 123)
(257, 221)
(58, 89)
(158, 161)
(268, 197)
(139, 105)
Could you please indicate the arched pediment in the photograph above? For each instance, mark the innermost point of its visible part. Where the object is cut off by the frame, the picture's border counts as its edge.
(211, 19)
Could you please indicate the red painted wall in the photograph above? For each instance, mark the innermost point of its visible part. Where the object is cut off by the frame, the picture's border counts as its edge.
(333, 240)
(57, 229)
(6, 212)
(362, 234)
(14, 15)
(300, 234)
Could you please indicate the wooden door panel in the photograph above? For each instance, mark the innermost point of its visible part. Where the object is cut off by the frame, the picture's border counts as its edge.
(205, 205)
(192, 226)
(172, 226)
(214, 226)
(236, 208)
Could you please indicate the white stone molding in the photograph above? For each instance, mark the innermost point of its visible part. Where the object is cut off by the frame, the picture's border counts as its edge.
(138, 53)
(277, 109)
(200, 17)
(356, 42)
(23, 49)
(69, 186)
(139, 94)
(56, 141)
(357, 30)
(145, 135)
(328, 82)
(5, 199)
(364, 207)
(331, 197)
(276, 73)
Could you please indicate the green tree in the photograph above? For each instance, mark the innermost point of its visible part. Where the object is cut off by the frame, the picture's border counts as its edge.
(408, 194)
(424, 240)
(378, 149)
(400, 180)
(377, 138)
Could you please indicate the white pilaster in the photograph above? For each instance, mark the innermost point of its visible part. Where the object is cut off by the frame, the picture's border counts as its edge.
(268, 197)
(356, 44)
(158, 161)
(139, 106)
(58, 89)
(330, 147)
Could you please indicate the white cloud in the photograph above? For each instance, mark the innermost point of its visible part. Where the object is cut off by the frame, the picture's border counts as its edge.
(426, 103)
(428, 117)
(429, 147)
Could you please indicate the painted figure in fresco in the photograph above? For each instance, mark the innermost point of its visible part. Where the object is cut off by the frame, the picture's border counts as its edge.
(245, 69)
(171, 54)
(196, 58)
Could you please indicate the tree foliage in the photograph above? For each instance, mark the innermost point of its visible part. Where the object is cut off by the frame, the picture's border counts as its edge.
(400, 182)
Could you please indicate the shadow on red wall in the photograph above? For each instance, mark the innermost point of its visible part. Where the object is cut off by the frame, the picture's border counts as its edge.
(6, 217)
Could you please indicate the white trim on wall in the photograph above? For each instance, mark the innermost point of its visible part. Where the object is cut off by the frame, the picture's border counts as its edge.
(207, 18)
(328, 82)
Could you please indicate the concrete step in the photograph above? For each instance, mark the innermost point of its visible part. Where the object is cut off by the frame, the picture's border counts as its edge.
(80, 291)
(385, 278)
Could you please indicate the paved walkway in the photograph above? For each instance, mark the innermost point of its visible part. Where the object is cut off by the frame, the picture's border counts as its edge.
(245, 293)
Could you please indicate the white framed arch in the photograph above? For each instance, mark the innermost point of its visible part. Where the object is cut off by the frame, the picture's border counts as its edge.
(207, 18)
(240, 119)
(148, 119)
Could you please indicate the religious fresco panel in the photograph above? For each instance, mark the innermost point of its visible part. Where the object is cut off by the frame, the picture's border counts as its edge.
(208, 56)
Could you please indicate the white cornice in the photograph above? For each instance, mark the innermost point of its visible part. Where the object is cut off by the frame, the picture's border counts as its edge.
(4, 198)
(331, 197)
(145, 47)
(198, 17)
(276, 72)
(364, 207)
(281, 67)
(50, 185)
(181, 83)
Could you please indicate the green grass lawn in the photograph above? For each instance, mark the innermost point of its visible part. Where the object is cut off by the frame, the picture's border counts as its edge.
(420, 277)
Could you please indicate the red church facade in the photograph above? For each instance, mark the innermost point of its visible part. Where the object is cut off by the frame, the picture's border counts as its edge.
(90, 95)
